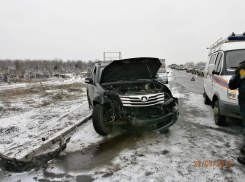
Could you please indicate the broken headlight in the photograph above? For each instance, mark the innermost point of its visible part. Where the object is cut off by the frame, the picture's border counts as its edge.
(233, 94)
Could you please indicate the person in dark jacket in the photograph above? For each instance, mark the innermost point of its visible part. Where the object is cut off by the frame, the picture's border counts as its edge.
(238, 81)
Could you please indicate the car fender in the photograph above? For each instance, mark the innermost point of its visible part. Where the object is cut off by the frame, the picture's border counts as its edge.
(99, 96)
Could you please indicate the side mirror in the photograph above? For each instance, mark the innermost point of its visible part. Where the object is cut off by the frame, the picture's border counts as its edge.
(167, 72)
(88, 80)
(215, 72)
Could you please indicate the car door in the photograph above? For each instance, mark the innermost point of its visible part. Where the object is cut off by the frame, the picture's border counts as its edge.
(208, 82)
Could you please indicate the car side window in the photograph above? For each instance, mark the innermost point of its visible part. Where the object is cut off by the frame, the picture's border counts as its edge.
(212, 59)
(218, 62)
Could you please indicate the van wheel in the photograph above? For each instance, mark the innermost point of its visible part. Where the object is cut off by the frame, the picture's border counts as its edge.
(218, 118)
(167, 82)
(100, 116)
(207, 101)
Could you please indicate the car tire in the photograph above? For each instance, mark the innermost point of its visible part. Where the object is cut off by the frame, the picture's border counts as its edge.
(99, 117)
(218, 118)
(166, 82)
(207, 101)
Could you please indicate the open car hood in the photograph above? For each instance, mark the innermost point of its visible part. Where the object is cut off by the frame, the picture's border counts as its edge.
(130, 69)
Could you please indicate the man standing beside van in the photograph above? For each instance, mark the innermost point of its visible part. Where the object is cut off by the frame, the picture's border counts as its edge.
(238, 81)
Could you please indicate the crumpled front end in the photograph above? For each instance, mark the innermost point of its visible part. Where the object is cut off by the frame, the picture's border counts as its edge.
(156, 111)
(159, 109)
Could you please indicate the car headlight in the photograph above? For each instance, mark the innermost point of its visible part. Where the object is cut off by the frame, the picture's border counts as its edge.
(233, 94)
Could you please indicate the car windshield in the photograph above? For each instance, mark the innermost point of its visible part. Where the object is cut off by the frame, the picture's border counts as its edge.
(233, 58)
(162, 70)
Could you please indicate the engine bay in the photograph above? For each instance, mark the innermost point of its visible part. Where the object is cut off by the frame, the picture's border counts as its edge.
(119, 112)
(134, 89)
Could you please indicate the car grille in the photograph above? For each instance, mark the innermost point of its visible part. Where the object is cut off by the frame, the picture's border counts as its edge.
(142, 100)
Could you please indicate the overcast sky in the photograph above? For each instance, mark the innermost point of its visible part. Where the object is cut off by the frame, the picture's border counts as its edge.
(176, 30)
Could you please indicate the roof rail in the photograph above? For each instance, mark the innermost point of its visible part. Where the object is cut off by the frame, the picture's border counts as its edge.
(215, 45)
(231, 38)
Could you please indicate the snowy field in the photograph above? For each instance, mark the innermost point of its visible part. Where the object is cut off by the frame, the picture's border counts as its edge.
(127, 154)
(27, 117)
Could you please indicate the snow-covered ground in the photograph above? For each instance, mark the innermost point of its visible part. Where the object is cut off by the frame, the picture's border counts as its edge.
(27, 118)
(140, 154)
(50, 81)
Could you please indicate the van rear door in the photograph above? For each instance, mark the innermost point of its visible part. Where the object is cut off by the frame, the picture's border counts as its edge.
(208, 82)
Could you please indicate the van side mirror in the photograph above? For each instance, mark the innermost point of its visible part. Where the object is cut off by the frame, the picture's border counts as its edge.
(215, 72)
(88, 80)
(167, 72)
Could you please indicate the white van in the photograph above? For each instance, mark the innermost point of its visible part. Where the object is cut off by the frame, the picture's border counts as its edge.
(223, 58)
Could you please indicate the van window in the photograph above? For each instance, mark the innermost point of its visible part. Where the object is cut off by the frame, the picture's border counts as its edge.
(233, 58)
(212, 59)
(218, 62)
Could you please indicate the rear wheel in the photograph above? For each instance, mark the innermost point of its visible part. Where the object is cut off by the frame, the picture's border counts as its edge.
(207, 101)
(218, 118)
(100, 118)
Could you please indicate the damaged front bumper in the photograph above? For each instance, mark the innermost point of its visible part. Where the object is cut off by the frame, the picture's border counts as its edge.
(164, 121)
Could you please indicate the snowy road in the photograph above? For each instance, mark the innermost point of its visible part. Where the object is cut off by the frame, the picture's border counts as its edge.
(130, 154)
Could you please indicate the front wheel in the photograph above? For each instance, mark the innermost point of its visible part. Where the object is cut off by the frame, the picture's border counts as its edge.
(218, 118)
(100, 119)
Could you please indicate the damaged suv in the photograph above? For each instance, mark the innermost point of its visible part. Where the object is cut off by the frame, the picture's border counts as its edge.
(126, 92)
